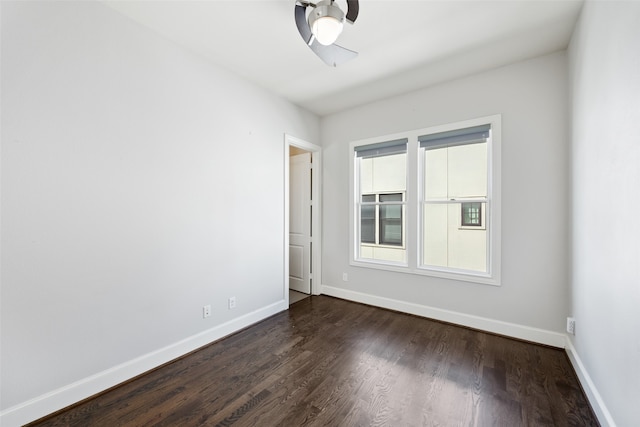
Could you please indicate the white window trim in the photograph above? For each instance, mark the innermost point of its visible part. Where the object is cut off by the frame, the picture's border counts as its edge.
(413, 223)
(354, 213)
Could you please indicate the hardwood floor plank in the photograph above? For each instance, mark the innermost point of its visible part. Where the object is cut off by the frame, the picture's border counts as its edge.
(330, 362)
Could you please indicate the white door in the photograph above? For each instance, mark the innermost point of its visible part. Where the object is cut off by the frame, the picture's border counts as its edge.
(300, 222)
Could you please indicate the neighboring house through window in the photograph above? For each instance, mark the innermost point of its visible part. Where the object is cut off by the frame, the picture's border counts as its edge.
(381, 219)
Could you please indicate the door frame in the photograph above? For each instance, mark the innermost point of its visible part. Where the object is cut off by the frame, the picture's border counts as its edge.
(316, 213)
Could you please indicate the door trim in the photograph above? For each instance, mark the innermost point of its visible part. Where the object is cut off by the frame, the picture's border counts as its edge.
(316, 209)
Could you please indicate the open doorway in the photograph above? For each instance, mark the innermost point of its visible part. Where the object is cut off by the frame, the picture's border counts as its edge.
(302, 222)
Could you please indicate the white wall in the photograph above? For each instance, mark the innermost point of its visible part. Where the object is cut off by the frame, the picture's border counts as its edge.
(605, 76)
(139, 183)
(532, 98)
(125, 207)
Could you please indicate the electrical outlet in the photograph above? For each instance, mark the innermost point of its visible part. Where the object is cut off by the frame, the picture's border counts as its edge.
(206, 311)
(345, 277)
(571, 325)
(232, 303)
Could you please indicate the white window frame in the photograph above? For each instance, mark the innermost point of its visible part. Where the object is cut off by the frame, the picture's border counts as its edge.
(412, 219)
(354, 209)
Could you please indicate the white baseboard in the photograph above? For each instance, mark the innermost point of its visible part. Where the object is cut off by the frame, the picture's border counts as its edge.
(603, 414)
(55, 400)
(527, 333)
(540, 336)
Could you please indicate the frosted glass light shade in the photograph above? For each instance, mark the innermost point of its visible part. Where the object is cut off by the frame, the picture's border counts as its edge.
(326, 21)
(326, 30)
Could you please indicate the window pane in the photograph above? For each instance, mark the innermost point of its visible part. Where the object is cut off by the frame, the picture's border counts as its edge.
(396, 197)
(435, 229)
(471, 214)
(381, 180)
(386, 174)
(467, 171)
(446, 244)
(455, 172)
(391, 232)
(368, 224)
(454, 233)
(368, 219)
(435, 174)
(390, 224)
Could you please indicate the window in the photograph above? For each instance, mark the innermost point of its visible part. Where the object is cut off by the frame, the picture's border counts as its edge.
(455, 184)
(428, 201)
(471, 214)
(381, 186)
(381, 220)
(368, 210)
(390, 224)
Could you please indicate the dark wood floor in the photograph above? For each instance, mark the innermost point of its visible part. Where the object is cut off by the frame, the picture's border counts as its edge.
(329, 362)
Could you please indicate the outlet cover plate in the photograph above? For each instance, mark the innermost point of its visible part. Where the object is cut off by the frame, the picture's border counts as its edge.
(571, 325)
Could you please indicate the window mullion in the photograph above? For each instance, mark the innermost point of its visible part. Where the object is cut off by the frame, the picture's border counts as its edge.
(411, 205)
(377, 219)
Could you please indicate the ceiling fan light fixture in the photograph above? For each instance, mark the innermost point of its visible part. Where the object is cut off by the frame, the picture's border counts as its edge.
(326, 21)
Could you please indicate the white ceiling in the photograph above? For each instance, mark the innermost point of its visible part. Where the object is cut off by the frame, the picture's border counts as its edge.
(402, 45)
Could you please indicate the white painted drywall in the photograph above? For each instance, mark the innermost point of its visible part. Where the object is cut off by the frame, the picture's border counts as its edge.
(139, 183)
(532, 98)
(605, 74)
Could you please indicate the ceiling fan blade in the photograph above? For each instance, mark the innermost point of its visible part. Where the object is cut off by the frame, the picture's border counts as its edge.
(332, 55)
(352, 10)
(302, 24)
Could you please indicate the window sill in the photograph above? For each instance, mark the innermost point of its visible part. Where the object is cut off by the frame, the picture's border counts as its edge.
(478, 278)
(373, 245)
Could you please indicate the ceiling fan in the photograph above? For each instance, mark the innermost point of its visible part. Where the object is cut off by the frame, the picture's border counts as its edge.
(323, 26)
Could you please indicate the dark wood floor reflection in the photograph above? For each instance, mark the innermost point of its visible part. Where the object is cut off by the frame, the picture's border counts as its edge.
(329, 362)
